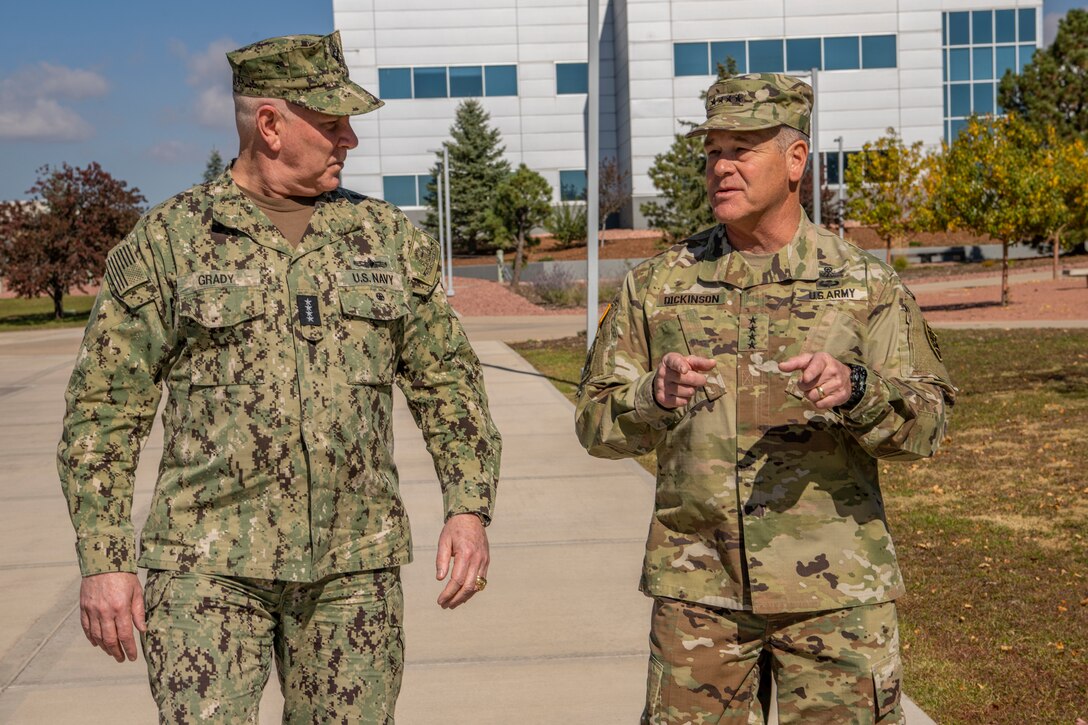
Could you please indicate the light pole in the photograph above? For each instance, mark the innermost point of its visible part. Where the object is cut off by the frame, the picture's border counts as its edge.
(438, 190)
(815, 149)
(592, 169)
(842, 185)
(449, 234)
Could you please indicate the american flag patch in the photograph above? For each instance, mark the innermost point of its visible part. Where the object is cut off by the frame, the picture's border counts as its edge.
(123, 270)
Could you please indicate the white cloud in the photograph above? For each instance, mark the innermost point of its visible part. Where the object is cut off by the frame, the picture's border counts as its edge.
(210, 76)
(30, 107)
(171, 152)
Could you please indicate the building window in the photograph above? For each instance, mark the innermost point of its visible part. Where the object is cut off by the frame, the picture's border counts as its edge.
(572, 185)
(720, 53)
(571, 78)
(878, 51)
(410, 190)
(466, 82)
(803, 54)
(501, 80)
(842, 53)
(980, 47)
(448, 82)
(851, 52)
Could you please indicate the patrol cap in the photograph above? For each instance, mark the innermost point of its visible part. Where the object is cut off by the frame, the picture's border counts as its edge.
(305, 69)
(755, 101)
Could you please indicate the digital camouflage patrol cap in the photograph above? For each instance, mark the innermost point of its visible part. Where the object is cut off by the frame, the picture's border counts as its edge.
(755, 101)
(305, 69)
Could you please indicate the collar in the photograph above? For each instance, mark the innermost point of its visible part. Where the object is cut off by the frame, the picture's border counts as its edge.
(797, 260)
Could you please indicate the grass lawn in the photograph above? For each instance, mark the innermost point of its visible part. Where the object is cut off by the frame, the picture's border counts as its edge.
(991, 533)
(16, 314)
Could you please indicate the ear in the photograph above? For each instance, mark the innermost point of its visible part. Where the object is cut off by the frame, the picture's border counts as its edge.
(797, 160)
(270, 127)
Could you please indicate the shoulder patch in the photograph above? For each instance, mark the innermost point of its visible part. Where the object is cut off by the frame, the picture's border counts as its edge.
(127, 276)
(424, 264)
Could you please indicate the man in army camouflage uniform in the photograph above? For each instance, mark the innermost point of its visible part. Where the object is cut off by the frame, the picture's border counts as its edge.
(278, 309)
(769, 364)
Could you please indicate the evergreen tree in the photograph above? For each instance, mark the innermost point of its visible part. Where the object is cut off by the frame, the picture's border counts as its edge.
(522, 202)
(477, 167)
(215, 166)
(1052, 90)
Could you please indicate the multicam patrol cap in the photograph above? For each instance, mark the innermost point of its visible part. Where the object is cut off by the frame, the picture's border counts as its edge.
(305, 69)
(755, 101)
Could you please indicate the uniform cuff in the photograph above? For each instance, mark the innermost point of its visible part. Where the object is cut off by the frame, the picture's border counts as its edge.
(646, 406)
(873, 404)
(103, 554)
(473, 498)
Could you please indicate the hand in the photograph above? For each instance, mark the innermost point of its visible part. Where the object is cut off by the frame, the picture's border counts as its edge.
(464, 540)
(109, 605)
(678, 377)
(824, 380)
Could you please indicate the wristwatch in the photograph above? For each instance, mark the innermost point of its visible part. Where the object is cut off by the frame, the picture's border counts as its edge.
(858, 377)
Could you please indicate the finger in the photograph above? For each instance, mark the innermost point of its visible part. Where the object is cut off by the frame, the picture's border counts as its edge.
(675, 361)
(95, 634)
(139, 617)
(442, 558)
(813, 371)
(126, 642)
(109, 641)
(695, 380)
(454, 585)
(795, 363)
(86, 622)
(701, 363)
(682, 391)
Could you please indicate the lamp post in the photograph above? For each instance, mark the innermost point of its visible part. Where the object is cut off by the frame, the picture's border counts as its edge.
(592, 169)
(449, 233)
(439, 189)
(842, 185)
(816, 215)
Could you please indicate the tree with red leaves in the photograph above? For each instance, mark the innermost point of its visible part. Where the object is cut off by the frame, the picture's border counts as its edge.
(59, 238)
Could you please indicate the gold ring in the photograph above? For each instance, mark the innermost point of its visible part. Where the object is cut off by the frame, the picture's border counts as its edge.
(820, 390)
(480, 583)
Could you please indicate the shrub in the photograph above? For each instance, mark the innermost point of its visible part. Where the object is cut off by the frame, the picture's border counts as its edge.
(900, 264)
(567, 223)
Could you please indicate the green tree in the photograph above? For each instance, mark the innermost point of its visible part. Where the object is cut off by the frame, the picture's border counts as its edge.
(477, 167)
(59, 239)
(679, 175)
(522, 202)
(884, 189)
(986, 183)
(215, 166)
(1062, 193)
(1052, 90)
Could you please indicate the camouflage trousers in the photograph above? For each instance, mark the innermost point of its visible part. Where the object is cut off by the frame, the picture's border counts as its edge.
(712, 665)
(337, 644)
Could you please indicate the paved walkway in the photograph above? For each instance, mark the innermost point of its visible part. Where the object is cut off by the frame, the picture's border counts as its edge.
(558, 637)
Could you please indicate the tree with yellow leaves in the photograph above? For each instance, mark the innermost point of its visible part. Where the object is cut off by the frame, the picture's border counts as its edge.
(1063, 165)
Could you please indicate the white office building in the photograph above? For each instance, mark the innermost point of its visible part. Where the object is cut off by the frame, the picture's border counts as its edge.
(920, 66)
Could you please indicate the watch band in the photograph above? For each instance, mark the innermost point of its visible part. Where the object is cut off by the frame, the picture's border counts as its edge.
(858, 377)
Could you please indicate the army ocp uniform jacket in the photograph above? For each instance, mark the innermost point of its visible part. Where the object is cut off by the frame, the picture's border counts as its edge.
(763, 502)
(278, 363)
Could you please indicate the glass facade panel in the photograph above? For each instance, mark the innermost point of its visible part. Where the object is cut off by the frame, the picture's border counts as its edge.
(1006, 60)
(501, 80)
(878, 51)
(1027, 25)
(802, 54)
(842, 53)
(982, 26)
(729, 49)
(429, 82)
(959, 28)
(1026, 51)
(422, 182)
(982, 63)
(984, 98)
(690, 59)
(395, 83)
(573, 77)
(466, 82)
(955, 128)
(765, 56)
(959, 64)
(572, 185)
(1005, 26)
(960, 102)
(400, 190)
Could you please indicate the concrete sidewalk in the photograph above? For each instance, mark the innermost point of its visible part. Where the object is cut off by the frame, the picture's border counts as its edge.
(559, 635)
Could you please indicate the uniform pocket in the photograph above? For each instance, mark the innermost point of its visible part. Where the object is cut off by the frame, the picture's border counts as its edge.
(887, 684)
(158, 581)
(222, 326)
(655, 680)
(371, 316)
(705, 339)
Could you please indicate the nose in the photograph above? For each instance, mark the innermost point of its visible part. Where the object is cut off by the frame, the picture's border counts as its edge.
(348, 139)
(723, 166)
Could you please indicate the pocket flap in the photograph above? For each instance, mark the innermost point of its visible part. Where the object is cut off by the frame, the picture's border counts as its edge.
(221, 306)
(887, 683)
(373, 302)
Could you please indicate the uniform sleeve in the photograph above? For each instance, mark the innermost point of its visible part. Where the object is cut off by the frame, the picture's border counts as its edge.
(617, 416)
(908, 395)
(443, 383)
(111, 401)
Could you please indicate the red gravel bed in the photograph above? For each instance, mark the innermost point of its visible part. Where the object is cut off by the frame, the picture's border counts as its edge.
(1061, 299)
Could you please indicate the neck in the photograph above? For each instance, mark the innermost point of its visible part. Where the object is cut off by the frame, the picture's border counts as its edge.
(768, 234)
(252, 171)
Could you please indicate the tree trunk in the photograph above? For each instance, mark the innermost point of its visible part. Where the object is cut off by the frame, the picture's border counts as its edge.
(1005, 273)
(1055, 247)
(58, 301)
(888, 251)
(519, 252)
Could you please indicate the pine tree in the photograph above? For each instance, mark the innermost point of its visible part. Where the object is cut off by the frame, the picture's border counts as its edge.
(522, 202)
(215, 166)
(1052, 90)
(477, 167)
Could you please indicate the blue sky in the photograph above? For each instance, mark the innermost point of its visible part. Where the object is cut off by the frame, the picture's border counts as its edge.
(142, 86)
